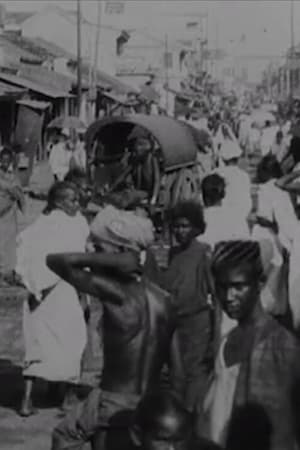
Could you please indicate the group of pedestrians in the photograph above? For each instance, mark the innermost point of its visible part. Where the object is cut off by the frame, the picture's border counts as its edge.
(202, 353)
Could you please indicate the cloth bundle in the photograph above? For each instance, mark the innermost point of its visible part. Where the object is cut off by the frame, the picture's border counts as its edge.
(122, 228)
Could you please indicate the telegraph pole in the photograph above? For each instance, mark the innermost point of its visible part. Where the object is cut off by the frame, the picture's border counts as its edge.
(292, 57)
(99, 19)
(217, 48)
(79, 77)
(167, 71)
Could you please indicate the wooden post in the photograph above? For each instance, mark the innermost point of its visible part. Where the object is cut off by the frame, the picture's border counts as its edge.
(167, 72)
(291, 71)
(79, 87)
(98, 29)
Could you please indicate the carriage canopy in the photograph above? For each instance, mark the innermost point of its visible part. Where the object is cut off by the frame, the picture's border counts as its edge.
(176, 142)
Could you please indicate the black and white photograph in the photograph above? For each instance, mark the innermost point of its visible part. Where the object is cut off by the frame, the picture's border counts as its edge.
(150, 225)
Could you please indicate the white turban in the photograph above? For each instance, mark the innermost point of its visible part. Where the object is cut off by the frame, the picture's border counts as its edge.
(122, 228)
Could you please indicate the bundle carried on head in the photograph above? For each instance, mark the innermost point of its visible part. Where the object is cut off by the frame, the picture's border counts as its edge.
(122, 228)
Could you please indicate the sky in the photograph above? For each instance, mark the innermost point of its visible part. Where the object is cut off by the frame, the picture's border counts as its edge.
(252, 27)
(265, 23)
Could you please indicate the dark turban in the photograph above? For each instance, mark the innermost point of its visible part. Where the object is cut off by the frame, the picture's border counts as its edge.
(233, 254)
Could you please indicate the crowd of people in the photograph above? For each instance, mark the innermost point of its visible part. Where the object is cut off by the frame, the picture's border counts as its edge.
(200, 354)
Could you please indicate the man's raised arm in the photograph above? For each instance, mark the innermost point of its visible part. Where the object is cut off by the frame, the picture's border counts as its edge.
(84, 271)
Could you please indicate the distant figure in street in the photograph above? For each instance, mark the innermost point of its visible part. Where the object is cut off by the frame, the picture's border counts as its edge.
(79, 159)
(279, 147)
(11, 200)
(60, 156)
(220, 220)
(253, 140)
(238, 186)
(267, 138)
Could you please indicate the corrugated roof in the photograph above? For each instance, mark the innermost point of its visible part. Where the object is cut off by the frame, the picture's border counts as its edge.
(7, 90)
(52, 48)
(17, 17)
(104, 80)
(15, 52)
(34, 104)
(33, 86)
(49, 78)
(117, 85)
(116, 98)
(36, 47)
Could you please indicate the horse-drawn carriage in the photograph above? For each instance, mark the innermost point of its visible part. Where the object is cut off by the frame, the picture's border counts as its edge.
(154, 155)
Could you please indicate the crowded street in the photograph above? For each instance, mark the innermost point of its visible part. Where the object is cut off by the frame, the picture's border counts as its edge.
(149, 225)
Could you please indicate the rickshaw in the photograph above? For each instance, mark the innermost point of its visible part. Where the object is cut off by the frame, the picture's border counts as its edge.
(157, 155)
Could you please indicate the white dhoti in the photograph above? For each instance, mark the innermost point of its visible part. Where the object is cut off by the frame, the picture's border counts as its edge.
(55, 336)
(55, 330)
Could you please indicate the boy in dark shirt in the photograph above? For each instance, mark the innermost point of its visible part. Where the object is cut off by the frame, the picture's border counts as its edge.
(188, 279)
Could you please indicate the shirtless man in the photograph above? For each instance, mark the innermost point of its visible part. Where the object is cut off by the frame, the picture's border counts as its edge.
(138, 323)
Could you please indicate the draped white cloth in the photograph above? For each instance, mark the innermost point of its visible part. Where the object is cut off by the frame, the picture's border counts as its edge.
(219, 399)
(221, 225)
(238, 191)
(275, 205)
(55, 331)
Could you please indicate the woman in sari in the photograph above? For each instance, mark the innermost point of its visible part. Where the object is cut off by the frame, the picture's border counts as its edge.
(11, 199)
(53, 321)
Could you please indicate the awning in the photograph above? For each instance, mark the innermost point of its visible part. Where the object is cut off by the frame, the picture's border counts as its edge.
(6, 90)
(35, 104)
(116, 98)
(32, 86)
(118, 86)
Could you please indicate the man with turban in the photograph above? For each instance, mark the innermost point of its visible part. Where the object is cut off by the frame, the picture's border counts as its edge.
(138, 323)
(256, 360)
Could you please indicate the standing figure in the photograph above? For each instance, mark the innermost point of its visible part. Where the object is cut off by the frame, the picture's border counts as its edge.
(257, 360)
(11, 199)
(238, 185)
(138, 323)
(275, 227)
(188, 279)
(53, 321)
(79, 158)
(221, 224)
(60, 156)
